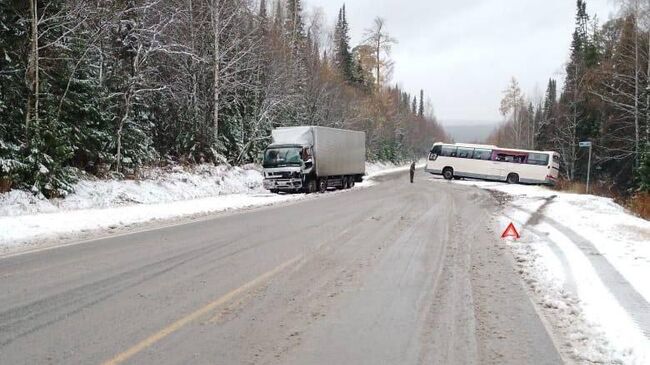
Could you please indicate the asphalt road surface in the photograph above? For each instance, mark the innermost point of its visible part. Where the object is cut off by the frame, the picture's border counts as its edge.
(398, 273)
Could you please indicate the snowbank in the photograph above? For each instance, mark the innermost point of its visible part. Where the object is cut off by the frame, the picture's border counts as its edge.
(588, 260)
(156, 186)
(384, 168)
(162, 194)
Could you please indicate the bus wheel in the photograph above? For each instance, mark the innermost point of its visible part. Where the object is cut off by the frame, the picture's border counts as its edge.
(448, 173)
(513, 179)
(322, 185)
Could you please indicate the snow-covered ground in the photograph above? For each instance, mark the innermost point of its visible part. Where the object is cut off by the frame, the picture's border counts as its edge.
(588, 261)
(162, 194)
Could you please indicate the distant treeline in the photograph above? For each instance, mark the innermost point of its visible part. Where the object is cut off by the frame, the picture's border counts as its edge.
(108, 86)
(605, 99)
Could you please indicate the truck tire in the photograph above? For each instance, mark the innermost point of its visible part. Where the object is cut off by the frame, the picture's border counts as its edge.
(351, 180)
(274, 191)
(322, 185)
(448, 173)
(348, 182)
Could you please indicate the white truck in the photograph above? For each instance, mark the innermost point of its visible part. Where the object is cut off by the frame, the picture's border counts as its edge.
(311, 159)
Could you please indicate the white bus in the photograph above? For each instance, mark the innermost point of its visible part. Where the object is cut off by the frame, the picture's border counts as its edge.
(455, 161)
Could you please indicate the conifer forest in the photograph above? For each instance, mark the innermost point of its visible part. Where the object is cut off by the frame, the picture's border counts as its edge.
(604, 98)
(110, 86)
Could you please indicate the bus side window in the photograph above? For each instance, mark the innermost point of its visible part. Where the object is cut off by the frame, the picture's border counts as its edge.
(465, 152)
(448, 151)
(482, 154)
(538, 159)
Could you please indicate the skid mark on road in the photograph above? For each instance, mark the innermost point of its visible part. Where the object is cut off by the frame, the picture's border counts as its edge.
(153, 339)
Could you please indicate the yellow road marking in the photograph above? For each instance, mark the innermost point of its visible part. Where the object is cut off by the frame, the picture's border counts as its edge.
(151, 340)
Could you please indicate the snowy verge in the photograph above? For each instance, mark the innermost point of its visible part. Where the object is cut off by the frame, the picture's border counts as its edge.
(162, 194)
(377, 169)
(156, 186)
(588, 262)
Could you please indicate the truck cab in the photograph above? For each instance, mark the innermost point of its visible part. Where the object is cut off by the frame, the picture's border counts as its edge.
(287, 166)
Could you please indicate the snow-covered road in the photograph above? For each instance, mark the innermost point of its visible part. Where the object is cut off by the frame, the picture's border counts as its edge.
(588, 262)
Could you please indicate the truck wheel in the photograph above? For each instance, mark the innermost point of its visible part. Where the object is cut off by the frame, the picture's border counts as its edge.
(513, 179)
(448, 173)
(274, 191)
(351, 182)
(322, 185)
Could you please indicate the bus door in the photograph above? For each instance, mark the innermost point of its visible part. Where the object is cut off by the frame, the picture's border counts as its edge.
(498, 170)
(509, 162)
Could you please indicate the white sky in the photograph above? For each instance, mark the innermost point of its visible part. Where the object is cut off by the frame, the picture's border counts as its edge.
(463, 52)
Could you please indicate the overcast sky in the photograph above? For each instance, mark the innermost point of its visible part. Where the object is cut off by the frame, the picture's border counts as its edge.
(463, 52)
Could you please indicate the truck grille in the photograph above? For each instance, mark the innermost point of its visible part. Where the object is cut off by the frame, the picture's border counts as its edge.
(279, 175)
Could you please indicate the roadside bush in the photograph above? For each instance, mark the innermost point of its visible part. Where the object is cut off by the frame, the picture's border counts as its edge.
(640, 204)
(643, 172)
(11, 165)
(600, 188)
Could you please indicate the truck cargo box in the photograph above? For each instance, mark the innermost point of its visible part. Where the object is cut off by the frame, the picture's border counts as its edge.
(336, 151)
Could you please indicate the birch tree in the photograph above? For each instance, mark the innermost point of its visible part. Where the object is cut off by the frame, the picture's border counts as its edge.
(382, 44)
(510, 108)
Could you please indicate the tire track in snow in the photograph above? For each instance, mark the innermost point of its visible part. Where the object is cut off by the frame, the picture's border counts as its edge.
(626, 295)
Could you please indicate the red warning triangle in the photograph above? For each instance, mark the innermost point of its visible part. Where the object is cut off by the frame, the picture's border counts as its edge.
(511, 231)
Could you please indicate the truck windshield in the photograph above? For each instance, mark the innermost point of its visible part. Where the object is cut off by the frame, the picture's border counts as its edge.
(279, 157)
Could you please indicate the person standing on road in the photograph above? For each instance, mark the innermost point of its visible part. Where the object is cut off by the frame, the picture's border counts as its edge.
(412, 171)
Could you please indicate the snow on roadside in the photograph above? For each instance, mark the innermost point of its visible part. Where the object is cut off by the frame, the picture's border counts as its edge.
(376, 169)
(558, 257)
(162, 194)
(156, 186)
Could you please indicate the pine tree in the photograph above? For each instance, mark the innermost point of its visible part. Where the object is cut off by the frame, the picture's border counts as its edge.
(264, 20)
(578, 123)
(622, 91)
(538, 121)
(13, 65)
(421, 109)
(278, 18)
(295, 37)
(343, 58)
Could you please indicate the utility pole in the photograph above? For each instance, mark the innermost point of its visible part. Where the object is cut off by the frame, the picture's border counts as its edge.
(587, 145)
